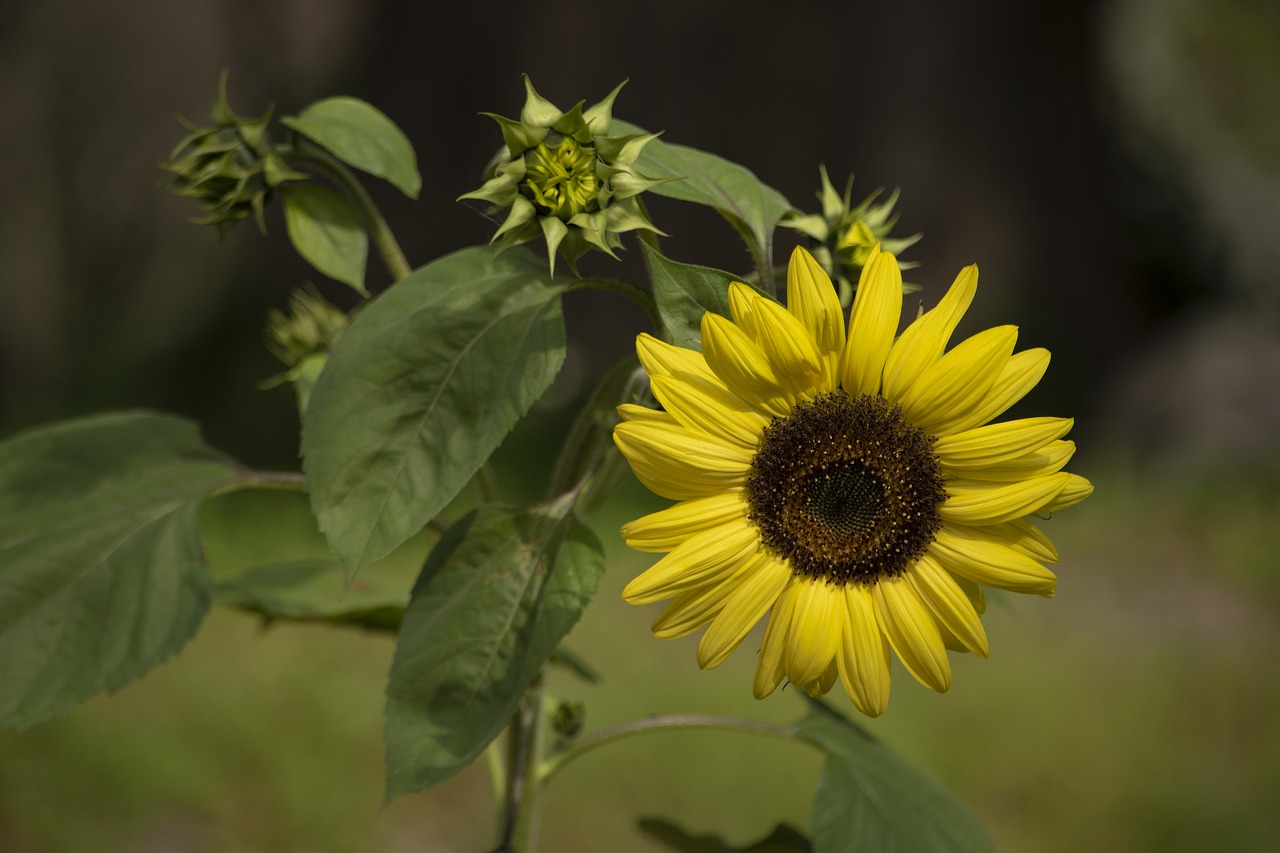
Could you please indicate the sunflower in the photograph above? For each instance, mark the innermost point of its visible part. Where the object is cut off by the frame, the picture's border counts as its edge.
(846, 483)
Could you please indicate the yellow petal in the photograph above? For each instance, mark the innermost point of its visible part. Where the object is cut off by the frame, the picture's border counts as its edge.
(976, 502)
(785, 341)
(742, 366)
(873, 322)
(667, 528)
(864, 654)
(815, 631)
(953, 385)
(747, 606)
(968, 553)
(633, 412)
(691, 610)
(1023, 371)
(924, 340)
(947, 601)
(706, 558)
(990, 445)
(662, 359)
(1077, 489)
(1047, 460)
(1019, 534)
(813, 301)
(709, 409)
(680, 464)
(770, 666)
(913, 633)
(823, 685)
(974, 591)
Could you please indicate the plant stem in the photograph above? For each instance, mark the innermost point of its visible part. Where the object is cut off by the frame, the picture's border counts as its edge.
(523, 812)
(333, 169)
(557, 762)
(247, 479)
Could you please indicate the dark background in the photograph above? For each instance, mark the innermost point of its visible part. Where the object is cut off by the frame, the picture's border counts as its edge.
(1114, 169)
(1019, 134)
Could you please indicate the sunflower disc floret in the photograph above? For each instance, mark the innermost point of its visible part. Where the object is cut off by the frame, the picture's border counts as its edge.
(561, 176)
(843, 481)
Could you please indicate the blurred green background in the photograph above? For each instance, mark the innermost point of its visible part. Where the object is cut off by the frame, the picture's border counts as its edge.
(1114, 168)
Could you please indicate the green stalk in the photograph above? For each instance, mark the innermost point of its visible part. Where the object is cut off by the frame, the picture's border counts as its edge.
(666, 722)
(522, 815)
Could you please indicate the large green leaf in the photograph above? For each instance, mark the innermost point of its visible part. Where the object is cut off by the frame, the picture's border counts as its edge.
(326, 232)
(870, 798)
(753, 207)
(360, 135)
(496, 596)
(683, 293)
(101, 571)
(420, 390)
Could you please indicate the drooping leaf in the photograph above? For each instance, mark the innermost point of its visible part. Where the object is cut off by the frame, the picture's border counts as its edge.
(870, 798)
(420, 390)
(360, 135)
(783, 839)
(102, 576)
(496, 596)
(326, 232)
(753, 207)
(683, 293)
(315, 591)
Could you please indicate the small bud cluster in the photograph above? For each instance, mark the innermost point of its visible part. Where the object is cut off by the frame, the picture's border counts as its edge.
(843, 234)
(230, 167)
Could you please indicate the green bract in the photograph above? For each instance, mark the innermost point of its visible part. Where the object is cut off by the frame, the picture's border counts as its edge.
(843, 235)
(562, 176)
(230, 167)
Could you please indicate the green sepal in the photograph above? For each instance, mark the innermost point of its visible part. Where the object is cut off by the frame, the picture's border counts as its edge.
(518, 136)
(599, 116)
(537, 110)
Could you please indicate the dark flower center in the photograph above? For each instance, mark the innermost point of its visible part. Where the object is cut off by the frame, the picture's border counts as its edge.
(845, 489)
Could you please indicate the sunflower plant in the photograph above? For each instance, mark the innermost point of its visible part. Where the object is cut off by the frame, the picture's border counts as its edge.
(842, 478)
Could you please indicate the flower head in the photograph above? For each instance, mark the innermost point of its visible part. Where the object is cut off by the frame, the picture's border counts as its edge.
(562, 176)
(231, 166)
(844, 234)
(844, 482)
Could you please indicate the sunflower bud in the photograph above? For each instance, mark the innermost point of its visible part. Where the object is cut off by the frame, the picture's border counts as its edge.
(311, 327)
(302, 339)
(230, 167)
(844, 235)
(561, 175)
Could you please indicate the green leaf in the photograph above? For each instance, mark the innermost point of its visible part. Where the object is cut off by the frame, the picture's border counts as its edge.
(326, 232)
(360, 135)
(420, 390)
(754, 208)
(496, 596)
(783, 839)
(315, 591)
(870, 798)
(102, 574)
(683, 293)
